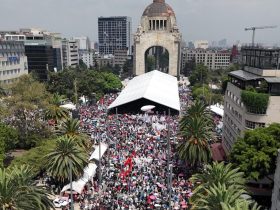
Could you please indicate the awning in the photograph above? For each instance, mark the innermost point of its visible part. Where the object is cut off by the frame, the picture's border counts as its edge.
(95, 154)
(217, 109)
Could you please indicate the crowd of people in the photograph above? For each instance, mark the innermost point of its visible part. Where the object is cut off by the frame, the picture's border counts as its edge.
(134, 169)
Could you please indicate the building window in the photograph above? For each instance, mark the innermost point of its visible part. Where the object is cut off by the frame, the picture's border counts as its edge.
(253, 125)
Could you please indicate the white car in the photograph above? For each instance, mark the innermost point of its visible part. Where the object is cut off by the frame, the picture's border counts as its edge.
(60, 202)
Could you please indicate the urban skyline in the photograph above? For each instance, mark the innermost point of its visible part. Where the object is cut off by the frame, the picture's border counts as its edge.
(228, 18)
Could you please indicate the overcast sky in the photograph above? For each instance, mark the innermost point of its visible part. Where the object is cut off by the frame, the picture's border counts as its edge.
(197, 19)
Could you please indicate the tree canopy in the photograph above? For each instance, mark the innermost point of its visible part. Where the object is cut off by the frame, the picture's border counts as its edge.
(256, 152)
(89, 83)
(200, 75)
(27, 100)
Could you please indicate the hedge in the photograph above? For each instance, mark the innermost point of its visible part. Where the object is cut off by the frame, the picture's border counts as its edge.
(255, 102)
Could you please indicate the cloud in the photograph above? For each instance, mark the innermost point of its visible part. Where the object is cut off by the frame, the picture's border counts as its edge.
(197, 19)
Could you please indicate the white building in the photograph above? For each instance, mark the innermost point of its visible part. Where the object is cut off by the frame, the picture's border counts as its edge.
(88, 58)
(70, 53)
(213, 59)
(13, 62)
(201, 44)
(83, 43)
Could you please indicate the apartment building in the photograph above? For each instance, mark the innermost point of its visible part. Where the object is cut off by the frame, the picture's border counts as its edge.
(261, 72)
(13, 62)
(213, 59)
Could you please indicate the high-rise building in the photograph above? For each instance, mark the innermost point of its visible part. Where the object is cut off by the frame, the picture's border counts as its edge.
(260, 73)
(13, 62)
(114, 33)
(39, 52)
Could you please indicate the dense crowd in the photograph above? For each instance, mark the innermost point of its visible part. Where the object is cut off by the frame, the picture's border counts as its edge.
(134, 169)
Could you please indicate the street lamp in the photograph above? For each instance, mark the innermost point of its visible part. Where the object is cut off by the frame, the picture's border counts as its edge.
(169, 166)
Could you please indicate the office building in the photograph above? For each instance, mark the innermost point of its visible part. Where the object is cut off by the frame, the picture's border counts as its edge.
(213, 59)
(114, 33)
(48, 45)
(88, 58)
(84, 43)
(261, 72)
(105, 60)
(70, 53)
(13, 62)
(121, 57)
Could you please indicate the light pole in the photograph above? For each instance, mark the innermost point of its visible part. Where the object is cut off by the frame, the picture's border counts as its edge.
(71, 185)
(169, 166)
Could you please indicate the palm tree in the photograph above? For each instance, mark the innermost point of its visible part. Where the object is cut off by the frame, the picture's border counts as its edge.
(196, 129)
(70, 127)
(218, 173)
(198, 109)
(217, 197)
(54, 111)
(220, 187)
(17, 191)
(195, 147)
(67, 154)
(242, 205)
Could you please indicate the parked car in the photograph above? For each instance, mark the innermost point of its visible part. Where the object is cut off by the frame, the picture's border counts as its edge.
(60, 202)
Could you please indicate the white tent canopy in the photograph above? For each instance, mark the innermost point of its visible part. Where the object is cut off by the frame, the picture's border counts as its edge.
(154, 86)
(217, 109)
(95, 154)
(69, 106)
(77, 186)
(89, 172)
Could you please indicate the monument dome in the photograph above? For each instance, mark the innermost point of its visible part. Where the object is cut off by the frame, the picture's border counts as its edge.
(158, 9)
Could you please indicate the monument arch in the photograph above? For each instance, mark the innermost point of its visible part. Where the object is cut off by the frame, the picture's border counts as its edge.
(158, 28)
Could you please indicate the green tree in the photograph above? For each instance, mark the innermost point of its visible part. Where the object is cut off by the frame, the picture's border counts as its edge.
(196, 130)
(220, 187)
(70, 128)
(215, 173)
(217, 197)
(200, 75)
(54, 110)
(35, 156)
(256, 152)
(89, 82)
(150, 63)
(128, 66)
(27, 102)
(8, 140)
(67, 154)
(18, 191)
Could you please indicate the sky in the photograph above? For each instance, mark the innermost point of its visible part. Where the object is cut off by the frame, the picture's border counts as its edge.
(210, 20)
